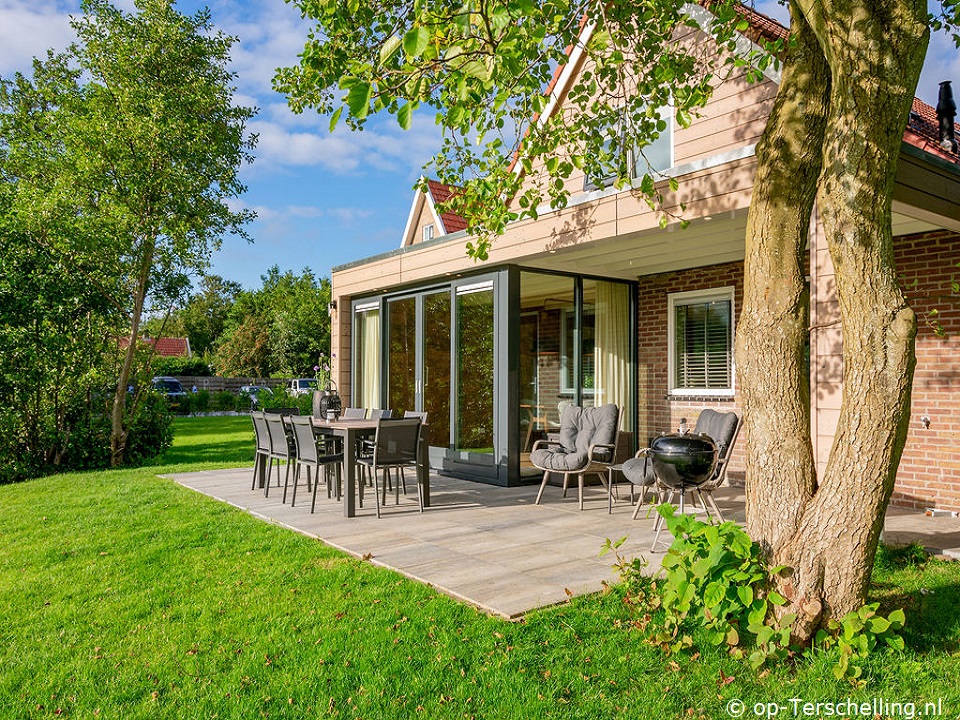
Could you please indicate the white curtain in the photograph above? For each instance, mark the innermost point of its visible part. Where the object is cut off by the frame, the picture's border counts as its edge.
(368, 392)
(612, 344)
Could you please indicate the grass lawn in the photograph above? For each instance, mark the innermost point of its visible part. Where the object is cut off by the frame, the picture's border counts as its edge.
(124, 595)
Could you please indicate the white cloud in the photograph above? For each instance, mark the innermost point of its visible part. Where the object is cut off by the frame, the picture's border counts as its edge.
(28, 29)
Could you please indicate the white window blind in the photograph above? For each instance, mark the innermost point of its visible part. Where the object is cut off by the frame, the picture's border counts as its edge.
(703, 345)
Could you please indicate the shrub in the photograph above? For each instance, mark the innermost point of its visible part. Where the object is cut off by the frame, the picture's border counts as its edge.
(181, 366)
(201, 401)
(717, 587)
(281, 398)
(150, 432)
(224, 401)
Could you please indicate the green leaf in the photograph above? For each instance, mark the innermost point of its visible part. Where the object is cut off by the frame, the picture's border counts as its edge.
(714, 594)
(745, 593)
(358, 99)
(389, 49)
(405, 115)
(335, 118)
(776, 598)
(897, 619)
(416, 41)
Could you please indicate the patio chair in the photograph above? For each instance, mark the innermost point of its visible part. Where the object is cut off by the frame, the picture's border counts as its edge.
(395, 446)
(281, 448)
(308, 454)
(587, 446)
(723, 428)
(365, 445)
(407, 414)
(352, 413)
(263, 447)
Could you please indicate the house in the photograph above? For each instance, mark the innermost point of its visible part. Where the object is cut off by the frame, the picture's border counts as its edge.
(164, 346)
(597, 303)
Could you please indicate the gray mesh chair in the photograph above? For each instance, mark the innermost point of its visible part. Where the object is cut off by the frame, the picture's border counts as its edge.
(352, 413)
(262, 456)
(721, 427)
(394, 446)
(587, 446)
(308, 454)
(282, 447)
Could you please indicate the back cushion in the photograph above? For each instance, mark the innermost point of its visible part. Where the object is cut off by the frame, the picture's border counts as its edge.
(582, 427)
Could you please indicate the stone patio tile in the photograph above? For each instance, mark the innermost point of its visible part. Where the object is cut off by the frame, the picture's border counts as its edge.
(492, 546)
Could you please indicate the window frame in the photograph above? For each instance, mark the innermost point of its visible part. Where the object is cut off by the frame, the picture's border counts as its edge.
(699, 297)
(428, 230)
(636, 159)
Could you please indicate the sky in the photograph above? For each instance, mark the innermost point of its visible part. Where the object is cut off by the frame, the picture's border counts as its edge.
(322, 199)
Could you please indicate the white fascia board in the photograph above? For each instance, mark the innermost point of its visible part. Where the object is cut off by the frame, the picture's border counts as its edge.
(437, 220)
(566, 75)
(405, 239)
(419, 197)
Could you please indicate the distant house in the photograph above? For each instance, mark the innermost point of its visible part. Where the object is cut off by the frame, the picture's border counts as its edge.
(165, 346)
(596, 303)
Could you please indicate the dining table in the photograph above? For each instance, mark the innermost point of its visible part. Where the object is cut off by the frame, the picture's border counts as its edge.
(351, 430)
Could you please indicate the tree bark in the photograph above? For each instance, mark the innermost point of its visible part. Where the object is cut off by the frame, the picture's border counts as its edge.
(772, 329)
(119, 414)
(874, 50)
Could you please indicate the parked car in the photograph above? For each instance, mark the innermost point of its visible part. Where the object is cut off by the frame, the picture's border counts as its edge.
(170, 388)
(252, 393)
(302, 386)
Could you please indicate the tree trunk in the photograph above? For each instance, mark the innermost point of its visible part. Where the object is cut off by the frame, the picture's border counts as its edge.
(772, 329)
(874, 50)
(118, 417)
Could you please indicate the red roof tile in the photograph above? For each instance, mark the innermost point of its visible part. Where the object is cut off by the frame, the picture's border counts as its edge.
(165, 346)
(923, 131)
(441, 193)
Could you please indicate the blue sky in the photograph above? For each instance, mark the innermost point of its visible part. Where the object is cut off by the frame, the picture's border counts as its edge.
(322, 199)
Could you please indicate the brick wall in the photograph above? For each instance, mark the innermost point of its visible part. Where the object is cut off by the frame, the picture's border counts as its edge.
(929, 474)
(657, 411)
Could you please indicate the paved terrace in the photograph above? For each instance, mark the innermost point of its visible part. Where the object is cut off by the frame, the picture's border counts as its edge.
(493, 547)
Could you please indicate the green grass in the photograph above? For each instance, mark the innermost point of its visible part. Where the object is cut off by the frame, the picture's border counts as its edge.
(124, 595)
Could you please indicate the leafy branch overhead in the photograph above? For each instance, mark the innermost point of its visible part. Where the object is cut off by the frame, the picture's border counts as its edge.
(489, 73)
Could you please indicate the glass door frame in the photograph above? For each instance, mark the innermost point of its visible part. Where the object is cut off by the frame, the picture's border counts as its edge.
(487, 467)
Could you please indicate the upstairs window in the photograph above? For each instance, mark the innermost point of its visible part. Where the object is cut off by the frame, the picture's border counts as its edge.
(428, 232)
(655, 157)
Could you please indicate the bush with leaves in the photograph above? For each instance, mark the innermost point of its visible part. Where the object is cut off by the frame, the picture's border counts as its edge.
(151, 433)
(177, 366)
(717, 586)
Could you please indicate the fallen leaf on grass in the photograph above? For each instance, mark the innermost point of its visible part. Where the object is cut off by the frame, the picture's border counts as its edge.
(725, 679)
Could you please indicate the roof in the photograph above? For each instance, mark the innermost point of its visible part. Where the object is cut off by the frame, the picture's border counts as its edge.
(923, 131)
(441, 193)
(164, 346)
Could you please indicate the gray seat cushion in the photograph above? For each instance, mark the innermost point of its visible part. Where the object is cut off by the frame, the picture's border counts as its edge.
(639, 471)
(557, 458)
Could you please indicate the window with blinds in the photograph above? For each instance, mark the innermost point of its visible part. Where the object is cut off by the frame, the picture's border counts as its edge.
(702, 342)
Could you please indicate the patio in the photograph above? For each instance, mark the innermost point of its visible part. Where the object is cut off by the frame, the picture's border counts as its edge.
(492, 547)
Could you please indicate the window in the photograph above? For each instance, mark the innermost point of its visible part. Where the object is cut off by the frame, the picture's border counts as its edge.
(700, 336)
(655, 157)
(659, 153)
(428, 232)
(568, 348)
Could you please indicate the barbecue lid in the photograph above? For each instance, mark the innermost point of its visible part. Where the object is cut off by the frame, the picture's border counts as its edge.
(685, 445)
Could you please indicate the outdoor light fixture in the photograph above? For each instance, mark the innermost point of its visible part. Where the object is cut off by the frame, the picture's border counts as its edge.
(332, 307)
